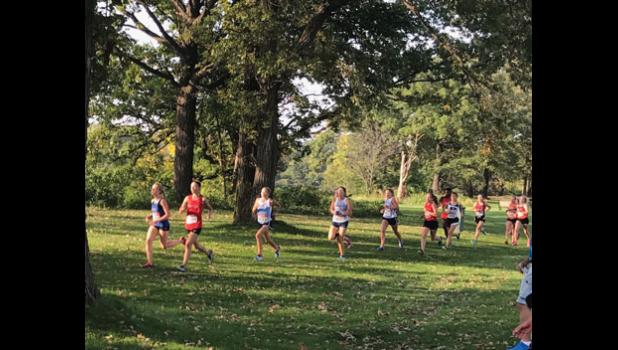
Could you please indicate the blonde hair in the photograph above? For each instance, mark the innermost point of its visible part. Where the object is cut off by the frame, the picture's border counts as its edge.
(159, 188)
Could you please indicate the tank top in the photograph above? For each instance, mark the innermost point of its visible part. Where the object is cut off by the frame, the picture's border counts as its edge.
(522, 213)
(479, 209)
(195, 207)
(157, 212)
(388, 212)
(429, 208)
(264, 211)
(511, 212)
(341, 206)
(452, 211)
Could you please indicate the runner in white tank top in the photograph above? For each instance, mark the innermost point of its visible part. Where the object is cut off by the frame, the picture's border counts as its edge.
(341, 208)
(452, 219)
(262, 211)
(389, 217)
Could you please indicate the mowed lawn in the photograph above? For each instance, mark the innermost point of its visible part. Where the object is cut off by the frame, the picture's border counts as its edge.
(462, 298)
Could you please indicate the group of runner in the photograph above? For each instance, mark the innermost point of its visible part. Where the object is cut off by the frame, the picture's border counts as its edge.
(264, 207)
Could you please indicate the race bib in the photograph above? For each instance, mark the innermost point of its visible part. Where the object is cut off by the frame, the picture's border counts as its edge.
(479, 213)
(156, 216)
(429, 215)
(262, 217)
(191, 219)
(388, 212)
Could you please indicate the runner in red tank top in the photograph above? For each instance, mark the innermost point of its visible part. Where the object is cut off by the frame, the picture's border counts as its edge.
(522, 220)
(430, 223)
(480, 208)
(194, 206)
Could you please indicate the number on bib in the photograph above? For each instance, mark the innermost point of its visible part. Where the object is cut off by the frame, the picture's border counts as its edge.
(191, 219)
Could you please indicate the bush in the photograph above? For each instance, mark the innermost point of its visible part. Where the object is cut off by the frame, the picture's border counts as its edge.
(136, 197)
(105, 185)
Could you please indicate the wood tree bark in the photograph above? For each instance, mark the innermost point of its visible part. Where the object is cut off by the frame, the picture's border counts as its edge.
(91, 290)
(487, 178)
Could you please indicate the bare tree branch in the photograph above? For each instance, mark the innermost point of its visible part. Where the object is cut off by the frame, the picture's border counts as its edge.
(171, 40)
(204, 70)
(165, 75)
(181, 10)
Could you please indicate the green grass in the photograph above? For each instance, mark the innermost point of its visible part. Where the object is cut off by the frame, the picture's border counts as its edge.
(456, 299)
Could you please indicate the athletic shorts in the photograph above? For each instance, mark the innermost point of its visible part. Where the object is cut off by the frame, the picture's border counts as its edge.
(432, 225)
(340, 224)
(451, 222)
(391, 221)
(197, 231)
(477, 219)
(523, 221)
(512, 221)
(269, 224)
(163, 225)
(526, 285)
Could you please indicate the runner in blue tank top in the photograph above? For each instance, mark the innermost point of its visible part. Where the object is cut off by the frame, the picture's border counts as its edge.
(158, 224)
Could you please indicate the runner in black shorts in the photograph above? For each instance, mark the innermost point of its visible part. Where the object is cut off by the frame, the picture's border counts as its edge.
(430, 223)
(452, 219)
(480, 208)
(389, 217)
(522, 219)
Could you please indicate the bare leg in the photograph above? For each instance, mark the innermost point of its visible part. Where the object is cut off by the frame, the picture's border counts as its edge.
(150, 237)
(190, 241)
(383, 232)
(167, 243)
(424, 232)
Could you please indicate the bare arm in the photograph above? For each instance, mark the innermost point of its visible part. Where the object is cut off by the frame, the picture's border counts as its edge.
(332, 207)
(394, 204)
(183, 206)
(166, 211)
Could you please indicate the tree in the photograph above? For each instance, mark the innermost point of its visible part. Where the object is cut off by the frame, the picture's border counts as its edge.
(371, 147)
(183, 59)
(91, 289)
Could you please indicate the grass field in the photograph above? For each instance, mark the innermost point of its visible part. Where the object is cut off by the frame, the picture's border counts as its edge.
(462, 298)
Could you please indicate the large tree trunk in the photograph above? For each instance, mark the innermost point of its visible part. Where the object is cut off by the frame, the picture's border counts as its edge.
(524, 188)
(185, 140)
(470, 189)
(404, 172)
(267, 148)
(244, 180)
(91, 289)
(435, 183)
(487, 178)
